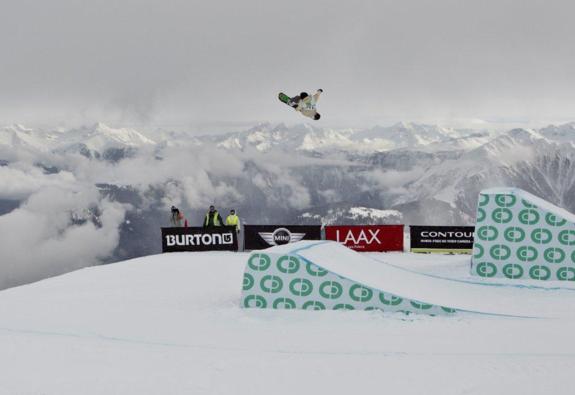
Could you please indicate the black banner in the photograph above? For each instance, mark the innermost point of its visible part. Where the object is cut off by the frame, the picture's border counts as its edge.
(258, 237)
(222, 238)
(455, 239)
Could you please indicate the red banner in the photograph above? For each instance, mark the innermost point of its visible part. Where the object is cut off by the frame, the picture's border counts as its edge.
(372, 238)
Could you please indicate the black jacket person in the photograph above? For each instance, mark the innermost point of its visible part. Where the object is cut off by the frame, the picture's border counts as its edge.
(212, 218)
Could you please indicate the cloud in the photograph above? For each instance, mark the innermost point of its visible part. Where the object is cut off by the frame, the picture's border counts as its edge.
(53, 232)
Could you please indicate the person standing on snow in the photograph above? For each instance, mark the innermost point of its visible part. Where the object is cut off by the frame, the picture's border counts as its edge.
(233, 220)
(176, 217)
(213, 218)
(305, 104)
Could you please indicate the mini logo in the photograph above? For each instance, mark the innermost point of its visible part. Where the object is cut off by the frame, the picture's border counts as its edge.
(514, 234)
(554, 255)
(300, 287)
(281, 236)
(488, 233)
(527, 254)
(529, 216)
(566, 274)
(271, 284)
(313, 305)
(567, 237)
(486, 269)
(360, 293)
(539, 272)
(255, 301)
(389, 299)
(541, 236)
(502, 215)
(554, 220)
(259, 262)
(505, 200)
(248, 281)
(284, 303)
(513, 271)
(500, 252)
(330, 289)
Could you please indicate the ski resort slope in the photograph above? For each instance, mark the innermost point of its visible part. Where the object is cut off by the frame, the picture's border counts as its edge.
(507, 299)
(172, 324)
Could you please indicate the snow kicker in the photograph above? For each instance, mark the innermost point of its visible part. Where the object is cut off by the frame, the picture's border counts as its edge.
(324, 275)
(520, 236)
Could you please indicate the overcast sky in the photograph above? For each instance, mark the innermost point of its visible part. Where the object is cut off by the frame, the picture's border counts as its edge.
(189, 62)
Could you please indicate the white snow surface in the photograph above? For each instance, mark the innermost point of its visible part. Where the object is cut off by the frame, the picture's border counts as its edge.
(172, 324)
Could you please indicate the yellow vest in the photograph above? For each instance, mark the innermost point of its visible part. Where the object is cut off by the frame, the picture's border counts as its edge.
(233, 220)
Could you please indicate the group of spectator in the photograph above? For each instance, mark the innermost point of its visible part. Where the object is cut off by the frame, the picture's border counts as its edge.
(211, 220)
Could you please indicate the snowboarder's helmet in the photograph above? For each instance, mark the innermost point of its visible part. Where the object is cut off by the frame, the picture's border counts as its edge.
(316, 116)
(212, 208)
(303, 95)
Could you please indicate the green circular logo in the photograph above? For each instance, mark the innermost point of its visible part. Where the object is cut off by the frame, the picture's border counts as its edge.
(527, 254)
(315, 271)
(554, 220)
(248, 282)
(313, 305)
(271, 284)
(259, 262)
(567, 237)
(483, 200)
(505, 200)
(359, 293)
(256, 301)
(479, 251)
(389, 299)
(448, 310)
(527, 204)
(573, 257)
(481, 215)
(500, 252)
(554, 255)
(539, 272)
(284, 303)
(502, 215)
(421, 305)
(330, 289)
(486, 269)
(541, 236)
(566, 274)
(514, 234)
(343, 306)
(487, 233)
(512, 271)
(288, 264)
(528, 216)
(300, 287)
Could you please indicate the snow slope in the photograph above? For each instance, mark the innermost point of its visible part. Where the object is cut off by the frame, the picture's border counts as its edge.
(172, 324)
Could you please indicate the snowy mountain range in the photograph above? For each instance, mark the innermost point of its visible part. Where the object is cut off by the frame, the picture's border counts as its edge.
(271, 173)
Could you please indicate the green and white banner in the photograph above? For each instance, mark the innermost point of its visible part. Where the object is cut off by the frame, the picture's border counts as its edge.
(520, 236)
(289, 281)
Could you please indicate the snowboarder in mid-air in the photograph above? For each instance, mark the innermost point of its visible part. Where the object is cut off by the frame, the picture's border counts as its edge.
(303, 103)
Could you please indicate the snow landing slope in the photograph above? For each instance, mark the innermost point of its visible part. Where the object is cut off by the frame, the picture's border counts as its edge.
(172, 324)
(469, 296)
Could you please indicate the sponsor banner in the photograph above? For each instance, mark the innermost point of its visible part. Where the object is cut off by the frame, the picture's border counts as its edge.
(367, 237)
(258, 237)
(452, 239)
(199, 239)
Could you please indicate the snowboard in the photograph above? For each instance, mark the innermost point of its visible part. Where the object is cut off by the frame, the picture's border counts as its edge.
(284, 98)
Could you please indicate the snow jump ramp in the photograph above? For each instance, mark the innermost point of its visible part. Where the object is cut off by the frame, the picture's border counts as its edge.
(324, 275)
(521, 236)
